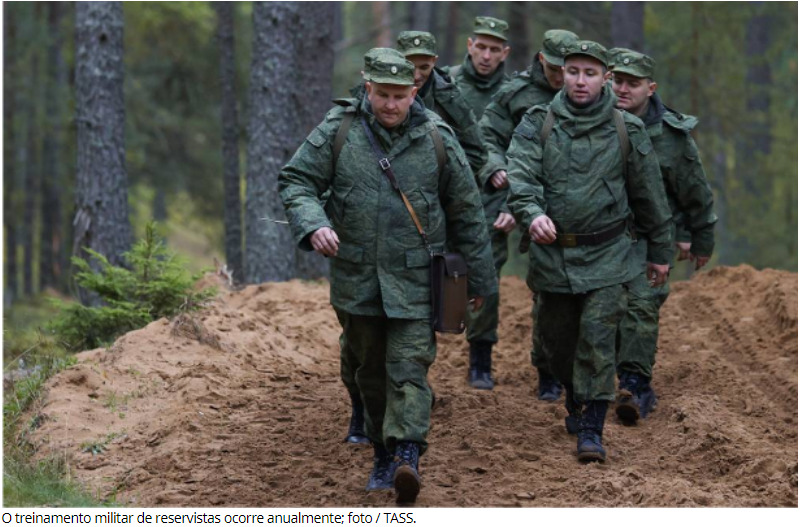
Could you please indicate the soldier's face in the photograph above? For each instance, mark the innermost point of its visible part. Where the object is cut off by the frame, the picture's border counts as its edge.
(553, 73)
(390, 102)
(633, 93)
(423, 67)
(583, 79)
(486, 53)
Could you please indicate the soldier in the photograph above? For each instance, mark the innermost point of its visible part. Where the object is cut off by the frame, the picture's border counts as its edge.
(380, 283)
(442, 96)
(482, 73)
(537, 85)
(575, 167)
(692, 204)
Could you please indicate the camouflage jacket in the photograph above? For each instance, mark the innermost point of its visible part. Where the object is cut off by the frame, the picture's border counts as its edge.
(577, 179)
(477, 89)
(688, 192)
(442, 96)
(382, 266)
(524, 91)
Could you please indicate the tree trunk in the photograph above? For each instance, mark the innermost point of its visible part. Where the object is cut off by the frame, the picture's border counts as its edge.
(447, 48)
(318, 83)
(230, 140)
(101, 198)
(32, 166)
(420, 16)
(9, 156)
(520, 57)
(52, 184)
(627, 25)
(381, 19)
(269, 254)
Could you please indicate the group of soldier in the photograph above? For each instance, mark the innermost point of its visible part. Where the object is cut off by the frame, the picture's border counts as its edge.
(578, 151)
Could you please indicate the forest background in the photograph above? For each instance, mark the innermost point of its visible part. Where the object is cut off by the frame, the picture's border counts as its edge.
(734, 65)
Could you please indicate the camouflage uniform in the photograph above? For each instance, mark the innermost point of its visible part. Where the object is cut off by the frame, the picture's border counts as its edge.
(691, 203)
(524, 91)
(577, 178)
(380, 284)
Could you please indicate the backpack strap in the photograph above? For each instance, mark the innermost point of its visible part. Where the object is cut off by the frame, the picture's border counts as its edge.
(341, 136)
(547, 127)
(624, 140)
(438, 146)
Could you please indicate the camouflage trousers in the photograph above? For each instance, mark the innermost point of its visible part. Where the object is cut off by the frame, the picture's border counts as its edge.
(538, 358)
(637, 338)
(578, 335)
(482, 324)
(389, 359)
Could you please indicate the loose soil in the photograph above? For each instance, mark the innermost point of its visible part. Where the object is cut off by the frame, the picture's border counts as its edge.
(241, 405)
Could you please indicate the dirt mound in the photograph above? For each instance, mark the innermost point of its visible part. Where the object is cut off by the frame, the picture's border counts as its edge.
(242, 405)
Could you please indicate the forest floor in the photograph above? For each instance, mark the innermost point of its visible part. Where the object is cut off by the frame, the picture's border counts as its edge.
(241, 405)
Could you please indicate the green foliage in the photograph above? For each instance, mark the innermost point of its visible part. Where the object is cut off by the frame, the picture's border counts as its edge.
(42, 483)
(156, 285)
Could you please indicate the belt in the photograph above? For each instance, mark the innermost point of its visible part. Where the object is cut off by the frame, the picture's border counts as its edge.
(592, 238)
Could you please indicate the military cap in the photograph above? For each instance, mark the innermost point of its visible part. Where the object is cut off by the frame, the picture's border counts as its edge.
(612, 55)
(387, 66)
(588, 48)
(555, 45)
(634, 63)
(494, 27)
(416, 43)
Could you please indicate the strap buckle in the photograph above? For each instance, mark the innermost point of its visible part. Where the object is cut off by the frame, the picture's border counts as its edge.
(567, 240)
(384, 163)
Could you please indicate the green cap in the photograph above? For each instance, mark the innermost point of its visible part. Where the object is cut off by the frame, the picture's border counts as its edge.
(388, 66)
(555, 45)
(494, 27)
(612, 55)
(634, 63)
(416, 43)
(588, 48)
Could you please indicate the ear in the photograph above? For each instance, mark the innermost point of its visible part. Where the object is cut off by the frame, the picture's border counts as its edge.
(435, 59)
(607, 76)
(506, 51)
(541, 59)
(470, 43)
(368, 86)
(653, 88)
(414, 91)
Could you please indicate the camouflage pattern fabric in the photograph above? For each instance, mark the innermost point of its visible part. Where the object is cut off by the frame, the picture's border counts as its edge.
(477, 89)
(578, 335)
(482, 324)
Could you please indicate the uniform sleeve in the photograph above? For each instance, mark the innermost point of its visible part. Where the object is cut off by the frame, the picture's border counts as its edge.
(526, 196)
(695, 199)
(648, 199)
(466, 227)
(469, 137)
(496, 127)
(304, 180)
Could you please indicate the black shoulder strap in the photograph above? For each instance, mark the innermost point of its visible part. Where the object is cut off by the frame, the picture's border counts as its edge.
(547, 127)
(341, 136)
(438, 145)
(624, 140)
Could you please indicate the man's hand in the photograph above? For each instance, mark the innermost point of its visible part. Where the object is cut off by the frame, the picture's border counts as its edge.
(499, 179)
(505, 222)
(657, 274)
(476, 302)
(325, 241)
(699, 261)
(542, 230)
(683, 250)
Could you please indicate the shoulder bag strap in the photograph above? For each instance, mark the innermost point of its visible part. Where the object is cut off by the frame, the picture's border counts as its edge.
(341, 136)
(624, 141)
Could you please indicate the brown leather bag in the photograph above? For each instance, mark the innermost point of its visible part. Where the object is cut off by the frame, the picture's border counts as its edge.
(448, 270)
(449, 292)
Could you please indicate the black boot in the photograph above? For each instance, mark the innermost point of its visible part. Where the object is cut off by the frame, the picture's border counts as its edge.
(355, 433)
(381, 477)
(480, 365)
(573, 420)
(406, 474)
(590, 432)
(549, 387)
(635, 398)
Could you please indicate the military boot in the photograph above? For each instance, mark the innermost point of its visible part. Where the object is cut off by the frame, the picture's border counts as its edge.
(480, 365)
(355, 432)
(573, 419)
(590, 432)
(381, 477)
(549, 387)
(635, 398)
(406, 475)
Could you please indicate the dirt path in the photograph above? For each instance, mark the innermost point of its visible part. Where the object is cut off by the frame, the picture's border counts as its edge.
(242, 406)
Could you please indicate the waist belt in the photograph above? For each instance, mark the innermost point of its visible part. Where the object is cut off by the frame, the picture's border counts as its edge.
(592, 238)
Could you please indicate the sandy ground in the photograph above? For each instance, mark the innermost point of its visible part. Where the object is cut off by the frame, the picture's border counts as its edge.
(241, 405)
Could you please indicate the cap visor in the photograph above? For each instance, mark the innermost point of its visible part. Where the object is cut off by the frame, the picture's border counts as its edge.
(552, 59)
(628, 70)
(389, 79)
(490, 33)
(418, 51)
